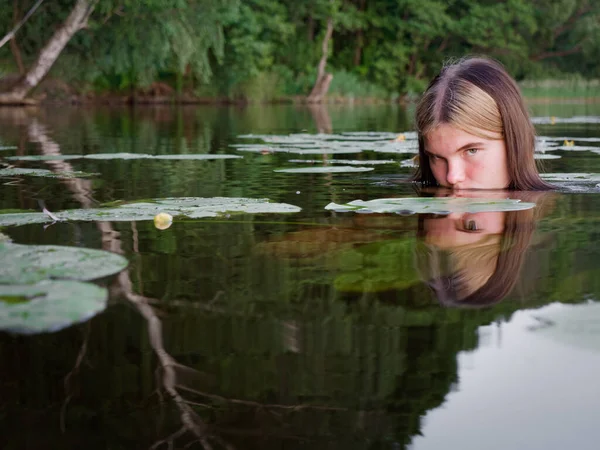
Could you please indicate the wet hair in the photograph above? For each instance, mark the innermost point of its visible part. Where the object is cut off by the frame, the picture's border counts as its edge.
(478, 96)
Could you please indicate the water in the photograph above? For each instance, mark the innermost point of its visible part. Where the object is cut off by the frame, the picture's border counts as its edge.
(304, 330)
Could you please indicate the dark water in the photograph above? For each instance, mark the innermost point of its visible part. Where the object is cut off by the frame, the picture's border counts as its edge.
(306, 330)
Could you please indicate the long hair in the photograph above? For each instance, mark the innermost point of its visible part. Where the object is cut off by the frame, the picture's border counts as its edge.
(480, 274)
(478, 96)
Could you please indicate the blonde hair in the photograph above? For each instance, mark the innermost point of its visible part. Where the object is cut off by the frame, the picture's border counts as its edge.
(487, 281)
(478, 96)
(468, 267)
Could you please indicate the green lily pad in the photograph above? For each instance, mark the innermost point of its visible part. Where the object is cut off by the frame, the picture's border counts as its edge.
(318, 150)
(545, 156)
(326, 169)
(350, 162)
(42, 157)
(49, 305)
(356, 142)
(191, 207)
(589, 177)
(431, 205)
(577, 148)
(27, 264)
(410, 163)
(17, 171)
(556, 140)
(569, 120)
(189, 156)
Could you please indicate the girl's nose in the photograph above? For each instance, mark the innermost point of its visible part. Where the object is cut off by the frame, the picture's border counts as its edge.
(456, 173)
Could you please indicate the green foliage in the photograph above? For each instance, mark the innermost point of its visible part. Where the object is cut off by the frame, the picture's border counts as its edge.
(268, 49)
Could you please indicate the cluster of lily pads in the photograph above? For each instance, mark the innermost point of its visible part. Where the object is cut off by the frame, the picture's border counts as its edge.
(188, 207)
(430, 205)
(382, 142)
(45, 288)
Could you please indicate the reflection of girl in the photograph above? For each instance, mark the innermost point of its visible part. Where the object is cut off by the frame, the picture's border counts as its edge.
(474, 131)
(474, 260)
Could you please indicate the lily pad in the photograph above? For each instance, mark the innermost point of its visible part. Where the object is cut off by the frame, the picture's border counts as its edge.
(545, 156)
(17, 171)
(350, 162)
(558, 139)
(191, 207)
(27, 264)
(189, 156)
(431, 205)
(49, 305)
(577, 148)
(317, 150)
(569, 120)
(43, 157)
(356, 142)
(590, 177)
(326, 169)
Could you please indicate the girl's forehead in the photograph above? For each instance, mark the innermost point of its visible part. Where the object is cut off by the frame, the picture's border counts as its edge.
(449, 135)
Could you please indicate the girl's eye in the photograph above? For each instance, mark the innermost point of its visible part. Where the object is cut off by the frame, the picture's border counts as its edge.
(471, 225)
(472, 151)
(433, 158)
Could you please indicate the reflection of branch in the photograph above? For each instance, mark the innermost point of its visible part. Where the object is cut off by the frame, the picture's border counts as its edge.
(190, 419)
(72, 373)
(81, 189)
(321, 117)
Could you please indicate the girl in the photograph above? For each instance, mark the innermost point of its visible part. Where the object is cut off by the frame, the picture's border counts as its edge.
(474, 131)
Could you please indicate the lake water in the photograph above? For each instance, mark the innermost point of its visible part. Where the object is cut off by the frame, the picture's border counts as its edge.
(309, 329)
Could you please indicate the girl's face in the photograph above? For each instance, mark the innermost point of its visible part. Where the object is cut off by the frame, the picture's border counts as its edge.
(460, 160)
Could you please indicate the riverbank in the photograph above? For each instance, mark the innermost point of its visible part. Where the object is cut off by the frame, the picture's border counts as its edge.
(56, 91)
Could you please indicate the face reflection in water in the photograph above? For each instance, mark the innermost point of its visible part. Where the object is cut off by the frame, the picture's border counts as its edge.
(462, 229)
(463, 256)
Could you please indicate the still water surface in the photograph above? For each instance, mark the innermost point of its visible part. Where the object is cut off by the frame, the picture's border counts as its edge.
(317, 329)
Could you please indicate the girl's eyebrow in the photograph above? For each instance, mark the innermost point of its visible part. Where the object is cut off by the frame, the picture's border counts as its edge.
(464, 147)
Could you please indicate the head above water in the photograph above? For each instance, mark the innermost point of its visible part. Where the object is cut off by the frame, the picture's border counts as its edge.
(474, 130)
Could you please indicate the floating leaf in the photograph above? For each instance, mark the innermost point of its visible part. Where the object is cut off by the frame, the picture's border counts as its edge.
(557, 140)
(350, 162)
(27, 264)
(43, 157)
(545, 156)
(595, 177)
(408, 163)
(318, 150)
(431, 205)
(304, 143)
(569, 120)
(402, 147)
(577, 148)
(327, 169)
(191, 207)
(196, 157)
(17, 171)
(189, 156)
(49, 305)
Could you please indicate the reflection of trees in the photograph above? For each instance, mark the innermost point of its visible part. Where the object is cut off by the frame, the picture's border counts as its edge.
(251, 341)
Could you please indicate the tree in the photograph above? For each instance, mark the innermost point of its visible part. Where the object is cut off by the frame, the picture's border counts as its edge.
(77, 19)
